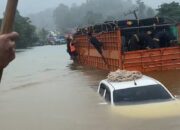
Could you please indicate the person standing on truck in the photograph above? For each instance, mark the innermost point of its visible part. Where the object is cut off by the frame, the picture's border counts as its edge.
(141, 41)
(124, 46)
(163, 38)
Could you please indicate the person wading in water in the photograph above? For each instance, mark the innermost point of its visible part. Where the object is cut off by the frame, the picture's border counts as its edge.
(71, 49)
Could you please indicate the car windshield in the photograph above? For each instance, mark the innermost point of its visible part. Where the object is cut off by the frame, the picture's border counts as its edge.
(141, 94)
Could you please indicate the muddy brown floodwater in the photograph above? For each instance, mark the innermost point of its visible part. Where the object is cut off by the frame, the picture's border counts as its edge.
(43, 90)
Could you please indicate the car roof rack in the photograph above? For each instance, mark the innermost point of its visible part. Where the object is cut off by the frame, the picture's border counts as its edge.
(124, 75)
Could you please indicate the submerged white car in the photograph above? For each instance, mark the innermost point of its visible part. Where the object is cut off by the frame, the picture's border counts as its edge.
(143, 90)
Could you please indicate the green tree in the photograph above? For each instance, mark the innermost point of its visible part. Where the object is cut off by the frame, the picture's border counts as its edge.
(92, 18)
(150, 12)
(171, 10)
(97, 11)
(42, 35)
(23, 26)
(62, 17)
(141, 9)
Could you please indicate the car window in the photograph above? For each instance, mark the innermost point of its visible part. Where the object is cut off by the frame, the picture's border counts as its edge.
(139, 94)
(105, 92)
(102, 89)
(107, 95)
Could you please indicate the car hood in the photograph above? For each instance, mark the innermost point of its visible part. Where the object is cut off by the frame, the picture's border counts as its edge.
(151, 110)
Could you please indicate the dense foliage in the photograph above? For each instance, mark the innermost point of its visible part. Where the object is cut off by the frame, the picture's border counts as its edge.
(27, 31)
(171, 10)
(42, 34)
(28, 36)
(96, 11)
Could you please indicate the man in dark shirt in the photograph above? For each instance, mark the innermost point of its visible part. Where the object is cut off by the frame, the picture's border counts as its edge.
(162, 38)
(68, 40)
(141, 41)
(98, 45)
(95, 42)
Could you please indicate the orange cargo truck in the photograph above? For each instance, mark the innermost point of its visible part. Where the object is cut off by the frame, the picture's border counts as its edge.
(112, 35)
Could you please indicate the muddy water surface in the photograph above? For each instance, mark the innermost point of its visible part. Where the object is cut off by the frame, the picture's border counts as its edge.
(43, 90)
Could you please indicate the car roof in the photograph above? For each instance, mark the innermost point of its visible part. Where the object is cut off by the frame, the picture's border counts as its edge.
(144, 81)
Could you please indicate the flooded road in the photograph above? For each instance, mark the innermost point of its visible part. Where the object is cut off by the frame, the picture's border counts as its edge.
(43, 90)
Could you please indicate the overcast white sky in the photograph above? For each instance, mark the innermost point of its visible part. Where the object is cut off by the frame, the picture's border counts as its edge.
(32, 6)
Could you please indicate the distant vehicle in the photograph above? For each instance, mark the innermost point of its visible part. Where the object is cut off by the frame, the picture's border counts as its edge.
(62, 40)
(51, 40)
(143, 90)
(59, 40)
